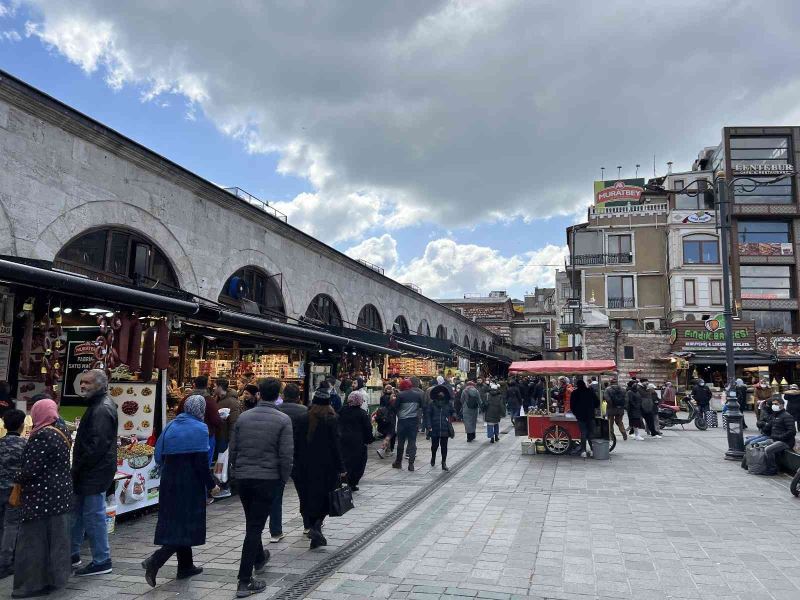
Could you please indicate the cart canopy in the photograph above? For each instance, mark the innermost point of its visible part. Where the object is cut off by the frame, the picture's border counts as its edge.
(563, 367)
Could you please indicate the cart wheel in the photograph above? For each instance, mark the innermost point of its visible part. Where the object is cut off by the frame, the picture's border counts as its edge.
(612, 442)
(556, 440)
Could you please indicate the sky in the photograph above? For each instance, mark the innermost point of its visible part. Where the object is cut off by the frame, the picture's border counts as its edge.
(449, 141)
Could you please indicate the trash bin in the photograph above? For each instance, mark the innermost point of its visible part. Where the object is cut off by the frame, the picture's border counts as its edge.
(600, 449)
(521, 426)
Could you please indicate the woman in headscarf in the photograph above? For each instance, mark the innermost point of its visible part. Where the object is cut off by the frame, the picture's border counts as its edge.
(325, 468)
(182, 454)
(437, 422)
(42, 561)
(355, 429)
(386, 420)
(470, 405)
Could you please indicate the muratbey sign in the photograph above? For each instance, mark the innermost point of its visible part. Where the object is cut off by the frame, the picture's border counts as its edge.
(693, 336)
(617, 192)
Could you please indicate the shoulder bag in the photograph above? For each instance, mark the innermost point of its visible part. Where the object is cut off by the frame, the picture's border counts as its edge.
(340, 501)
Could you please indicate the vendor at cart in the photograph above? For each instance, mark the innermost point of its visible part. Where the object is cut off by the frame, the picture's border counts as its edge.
(584, 403)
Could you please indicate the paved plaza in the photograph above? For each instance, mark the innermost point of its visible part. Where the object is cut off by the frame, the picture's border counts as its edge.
(663, 518)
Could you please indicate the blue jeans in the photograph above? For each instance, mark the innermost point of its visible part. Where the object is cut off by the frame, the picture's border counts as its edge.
(212, 443)
(492, 430)
(89, 519)
(276, 511)
(756, 438)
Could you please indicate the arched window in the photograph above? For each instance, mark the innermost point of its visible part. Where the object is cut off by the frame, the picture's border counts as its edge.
(117, 256)
(475, 344)
(252, 290)
(483, 345)
(324, 310)
(400, 325)
(441, 332)
(700, 248)
(370, 318)
(466, 342)
(454, 336)
(424, 328)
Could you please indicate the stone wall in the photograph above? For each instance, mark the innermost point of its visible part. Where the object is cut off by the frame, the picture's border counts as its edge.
(62, 174)
(650, 352)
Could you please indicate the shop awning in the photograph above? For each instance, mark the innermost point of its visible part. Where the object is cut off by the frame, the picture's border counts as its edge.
(739, 358)
(563, 367)
(91, 290)
(423, 345)
(295, 331)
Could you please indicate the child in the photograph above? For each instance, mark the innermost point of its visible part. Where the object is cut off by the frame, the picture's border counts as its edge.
(11, 447)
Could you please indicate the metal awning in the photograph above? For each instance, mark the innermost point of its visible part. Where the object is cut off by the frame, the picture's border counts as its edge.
(739, 358)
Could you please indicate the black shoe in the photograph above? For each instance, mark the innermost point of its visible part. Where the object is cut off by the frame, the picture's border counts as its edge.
(433, 462)
(353, 488)
(150, 571)
(190, 572)
(396, 465)
(491, 440)
(94, 569)
(444, 466)
(76, 560)
(248, 588)
(497, 438)
(411, 465)
(317, 539)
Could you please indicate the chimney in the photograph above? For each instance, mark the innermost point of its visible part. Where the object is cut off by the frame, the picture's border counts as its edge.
(669, 167)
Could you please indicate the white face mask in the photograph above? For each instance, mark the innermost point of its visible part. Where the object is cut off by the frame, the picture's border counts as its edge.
(776, 408)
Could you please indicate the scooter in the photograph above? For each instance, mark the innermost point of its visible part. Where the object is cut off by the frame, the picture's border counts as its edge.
(668, 416)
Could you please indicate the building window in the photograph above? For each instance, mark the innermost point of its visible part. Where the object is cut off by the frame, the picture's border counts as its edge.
(619, 249)
(624, 324)
(716, 292)
(441, 332)
(770, 321)
(424, 328)
(370, 318)
(117, 256)
(400, 325)
(621, 292)
(627, 352)
(689, 292)
(764, 238)
(254, 286)
(700, 249)
(324, 310)
(700, 197)
(765, 282)
(677, 184)
(754, 151)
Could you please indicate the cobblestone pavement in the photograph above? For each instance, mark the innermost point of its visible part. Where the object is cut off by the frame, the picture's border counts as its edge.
(663, 518)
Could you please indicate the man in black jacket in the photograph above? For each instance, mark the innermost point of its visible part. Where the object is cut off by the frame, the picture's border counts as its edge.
(409, 409)
(94, 463)
(584, 402)
(298, 413)
(780, 429)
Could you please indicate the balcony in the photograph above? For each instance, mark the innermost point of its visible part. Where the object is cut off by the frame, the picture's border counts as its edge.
(593, 260)
(645, 208)
(622, 303)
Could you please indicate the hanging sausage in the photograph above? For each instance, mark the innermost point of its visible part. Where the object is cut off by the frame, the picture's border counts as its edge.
(135, 345)
(162, 345)
(148, 353)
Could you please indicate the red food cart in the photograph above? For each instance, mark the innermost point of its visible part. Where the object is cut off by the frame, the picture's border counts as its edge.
(555, 426)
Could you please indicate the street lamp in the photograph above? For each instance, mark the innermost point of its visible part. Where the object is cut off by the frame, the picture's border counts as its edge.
(720, 189)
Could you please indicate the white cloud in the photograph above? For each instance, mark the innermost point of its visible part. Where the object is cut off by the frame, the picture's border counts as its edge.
(10, 35)
(447, 110)
(381, 251)
(449, 269)
(332, 221)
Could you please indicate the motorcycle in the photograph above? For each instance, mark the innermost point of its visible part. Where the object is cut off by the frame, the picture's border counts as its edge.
(668, 416)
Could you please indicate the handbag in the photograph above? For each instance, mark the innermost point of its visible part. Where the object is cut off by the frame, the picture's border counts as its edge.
(221, 467)
(340, 501)
(450, 431)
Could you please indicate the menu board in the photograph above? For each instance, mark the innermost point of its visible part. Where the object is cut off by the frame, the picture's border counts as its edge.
(136, 406)
(141, 487)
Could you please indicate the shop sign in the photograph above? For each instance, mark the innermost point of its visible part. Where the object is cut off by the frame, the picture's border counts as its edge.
(763, 169)
(787, 350)
(692, 336)
(618, 192)
(766, 249)
(83, 353)
(5, 356)
(699, 217)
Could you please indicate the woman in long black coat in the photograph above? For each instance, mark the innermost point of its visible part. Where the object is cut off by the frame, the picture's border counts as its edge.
(355, 430)
(325, 468)
(182, 453)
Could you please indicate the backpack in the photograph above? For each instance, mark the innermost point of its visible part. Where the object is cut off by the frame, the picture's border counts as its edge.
(617, 397)
(473, 398)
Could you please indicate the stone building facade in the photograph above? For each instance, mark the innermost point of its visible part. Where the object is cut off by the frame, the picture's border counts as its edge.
(644, 354)
(63, 174)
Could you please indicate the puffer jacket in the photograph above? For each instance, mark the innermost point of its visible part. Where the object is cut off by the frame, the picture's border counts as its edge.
(633, 403)
(495, 409)
(262, 446)
(437, 418)
(782, 428)
(792, 398)
(94, 456)
(11, 448)
(409, 404)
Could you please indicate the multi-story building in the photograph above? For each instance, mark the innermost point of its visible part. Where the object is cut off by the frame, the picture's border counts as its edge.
(540, 307)
(619, 259)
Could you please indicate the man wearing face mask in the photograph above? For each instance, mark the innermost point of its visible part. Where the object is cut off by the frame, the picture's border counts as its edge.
(94, 463)
(780, 429)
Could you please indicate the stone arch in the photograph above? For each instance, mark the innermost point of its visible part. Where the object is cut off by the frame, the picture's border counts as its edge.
(400, 325)
(368, 312)
(483, 345)
(7, 246)
(441, 332)
(107, 213)
(424, 327)
(363, 300)
(322, 286)
(466, 341)
(240, 259)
